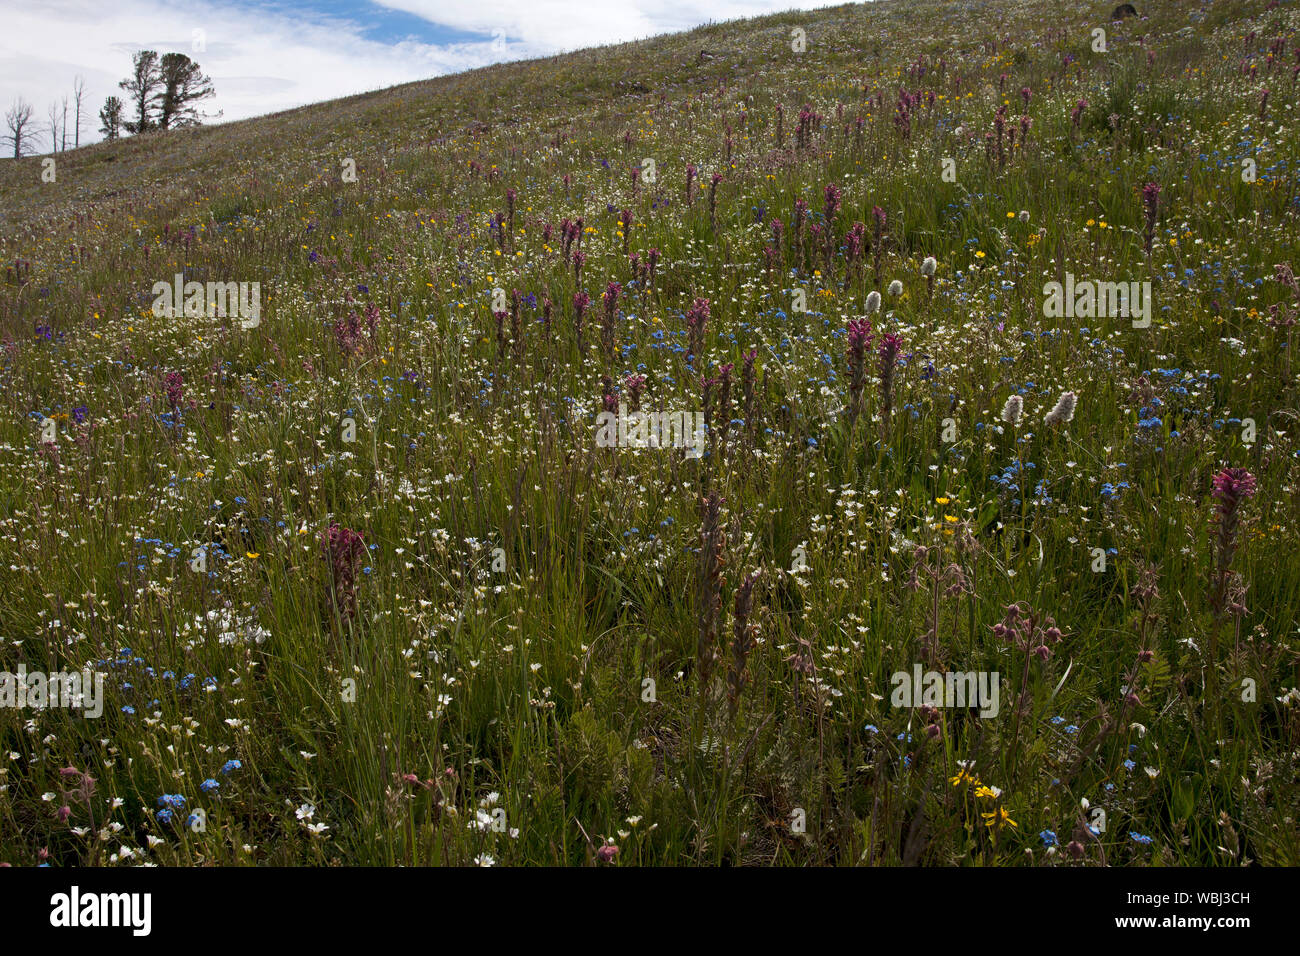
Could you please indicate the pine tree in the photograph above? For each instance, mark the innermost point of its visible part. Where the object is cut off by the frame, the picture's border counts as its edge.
(110, 118)
(183, 85)
(143, 86)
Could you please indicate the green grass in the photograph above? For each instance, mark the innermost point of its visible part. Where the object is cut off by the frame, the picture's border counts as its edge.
(473, 679)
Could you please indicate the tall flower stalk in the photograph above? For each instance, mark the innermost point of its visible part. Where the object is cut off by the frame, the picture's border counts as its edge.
(1150, 210)
(697, 320)
(609, 324)
(344, 550)
(832, 210)
(888, 353)
(859, 335)
(1232, 487)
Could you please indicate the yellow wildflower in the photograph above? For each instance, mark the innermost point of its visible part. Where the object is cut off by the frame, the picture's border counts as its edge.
(998, 817)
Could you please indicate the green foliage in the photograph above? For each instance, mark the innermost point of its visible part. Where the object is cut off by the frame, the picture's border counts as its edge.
(521, 682)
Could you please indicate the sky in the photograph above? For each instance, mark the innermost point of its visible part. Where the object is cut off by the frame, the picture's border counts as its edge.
(269, 55)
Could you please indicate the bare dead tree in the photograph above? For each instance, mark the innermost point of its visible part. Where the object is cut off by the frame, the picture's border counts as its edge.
(52, 125)
(78, 95)
(17, 121)
(63, 147)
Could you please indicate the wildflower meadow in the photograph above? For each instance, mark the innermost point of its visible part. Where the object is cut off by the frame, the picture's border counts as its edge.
(866, 436)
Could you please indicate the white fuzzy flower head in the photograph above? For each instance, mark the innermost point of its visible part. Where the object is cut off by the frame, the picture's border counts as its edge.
(1063, 410)
(1013, 409)
(873, 302)
(928, 266)
(895, 288)
(1024, 215)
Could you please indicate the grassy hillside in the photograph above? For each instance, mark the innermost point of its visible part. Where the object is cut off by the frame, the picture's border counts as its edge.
(367, 589)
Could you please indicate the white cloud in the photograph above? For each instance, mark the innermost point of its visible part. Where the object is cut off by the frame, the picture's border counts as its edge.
(548, 26)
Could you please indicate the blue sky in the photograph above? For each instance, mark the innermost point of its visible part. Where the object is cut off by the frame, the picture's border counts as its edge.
(375, 22)
(269, 55)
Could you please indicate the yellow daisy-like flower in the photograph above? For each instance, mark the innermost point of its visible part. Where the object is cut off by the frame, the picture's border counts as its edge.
(963, 777)
(998, 817)
(986, 791)
(941, 501)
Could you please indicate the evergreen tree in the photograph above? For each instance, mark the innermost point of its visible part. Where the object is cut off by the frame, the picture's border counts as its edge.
(110, 118)
(183, 85)
(144, 87)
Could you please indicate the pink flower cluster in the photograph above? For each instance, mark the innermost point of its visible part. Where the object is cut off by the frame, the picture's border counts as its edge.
(344, 550)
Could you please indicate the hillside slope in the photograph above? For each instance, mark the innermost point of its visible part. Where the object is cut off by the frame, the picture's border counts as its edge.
(363, 558)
